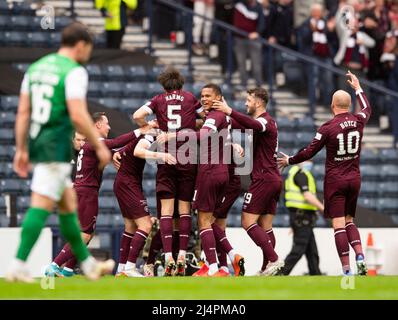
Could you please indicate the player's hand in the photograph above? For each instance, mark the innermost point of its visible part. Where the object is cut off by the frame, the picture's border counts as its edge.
(103, 155)
(165, 136)
(116, 160)
(222, 106)
(238, 149)
(21, 163)
(353, 81)
(153, 124)
(169, 159)
(283, 161)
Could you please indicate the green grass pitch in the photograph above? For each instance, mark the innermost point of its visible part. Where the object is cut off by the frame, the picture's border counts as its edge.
(305, 287)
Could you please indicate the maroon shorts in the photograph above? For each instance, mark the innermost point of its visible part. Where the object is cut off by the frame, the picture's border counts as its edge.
(87, 208)
(262, 196)
(341, 197)
(176, 181)
(231, 194)
(209, 191)
(130, 197)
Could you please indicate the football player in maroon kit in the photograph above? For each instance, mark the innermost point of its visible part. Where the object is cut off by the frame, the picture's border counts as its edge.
(175, 110)
(87, 183)
(261, 199)
(212, 180)
(132, 202)
(342, 137)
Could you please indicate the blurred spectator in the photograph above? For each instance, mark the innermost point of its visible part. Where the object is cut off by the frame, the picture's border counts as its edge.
(201, 27)
(280, 29)
(313, 39)
(376, 24)
(248, 16)
(353, 51)
(225, 13)
(281, 23)
(115, 13)
(302, 10)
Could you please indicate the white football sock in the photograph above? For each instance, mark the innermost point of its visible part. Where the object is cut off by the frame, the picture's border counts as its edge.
(88, 264)
(213, 268)
(129, 266)
(231, 255)
(182, 253)
(168, 256)
(120, 267)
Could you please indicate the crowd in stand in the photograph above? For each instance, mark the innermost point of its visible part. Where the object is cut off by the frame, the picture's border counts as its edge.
(360, 35)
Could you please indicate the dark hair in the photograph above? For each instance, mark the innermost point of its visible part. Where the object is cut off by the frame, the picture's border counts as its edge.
(97, 116)
(74, 33)
(215, 88)
(260, 93)
(171, 79)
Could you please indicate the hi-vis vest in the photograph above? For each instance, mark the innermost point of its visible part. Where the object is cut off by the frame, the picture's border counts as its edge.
(293, 196)
(113, 8)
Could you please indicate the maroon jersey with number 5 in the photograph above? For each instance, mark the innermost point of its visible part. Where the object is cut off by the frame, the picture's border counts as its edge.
(174, 110)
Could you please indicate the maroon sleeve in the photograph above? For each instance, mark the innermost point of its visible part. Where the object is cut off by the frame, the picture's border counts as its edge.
(248, 122)
(366, 110)
(120, 141)
(236, 125)
(316, 145)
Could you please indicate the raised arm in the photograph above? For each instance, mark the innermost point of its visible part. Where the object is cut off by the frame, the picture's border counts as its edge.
(366, 109)
(123, 139)
(140, 115)
(244, 121)
(142, 151)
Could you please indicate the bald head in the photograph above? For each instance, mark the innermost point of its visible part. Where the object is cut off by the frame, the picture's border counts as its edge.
(341, 100)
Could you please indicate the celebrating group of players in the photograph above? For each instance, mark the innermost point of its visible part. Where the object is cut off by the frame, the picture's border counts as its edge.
(205, 180)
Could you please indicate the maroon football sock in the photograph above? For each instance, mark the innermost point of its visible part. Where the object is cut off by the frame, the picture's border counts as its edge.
(65, 255)
(156, 246)
(185, 226)
(125, 246)
(262, 240)
(209, 245)
(71, 263)
(222, 256)
(354, 238)
(221, 238)
(343, 249)
(166, 230)
(271, 235)
(176, 244)
(136, 245)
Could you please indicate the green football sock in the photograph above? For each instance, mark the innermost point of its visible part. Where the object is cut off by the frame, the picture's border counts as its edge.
(34, 221)
(71, 231)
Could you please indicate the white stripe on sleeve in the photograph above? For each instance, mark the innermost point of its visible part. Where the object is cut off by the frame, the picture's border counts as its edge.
(76, 83)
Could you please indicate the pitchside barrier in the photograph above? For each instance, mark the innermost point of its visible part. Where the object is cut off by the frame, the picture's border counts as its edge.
(382, 255)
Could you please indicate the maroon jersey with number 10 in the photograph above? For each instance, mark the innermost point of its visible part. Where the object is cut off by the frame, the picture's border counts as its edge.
(342, 137)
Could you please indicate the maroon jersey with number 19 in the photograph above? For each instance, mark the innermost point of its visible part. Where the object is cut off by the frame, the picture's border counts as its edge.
(342, 137)
(264, 191)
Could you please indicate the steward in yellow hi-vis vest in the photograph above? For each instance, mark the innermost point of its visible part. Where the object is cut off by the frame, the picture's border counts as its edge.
(294, 195)
(115, 13)
(301, 200)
